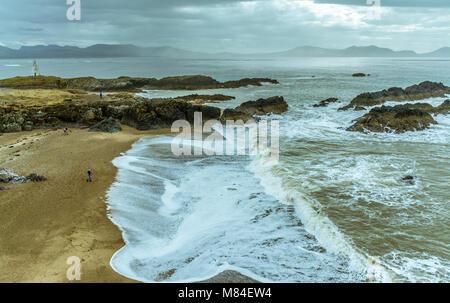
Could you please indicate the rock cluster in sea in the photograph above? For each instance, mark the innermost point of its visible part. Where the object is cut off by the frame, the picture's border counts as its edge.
(420, 91)
(400, 118)
(326, 102)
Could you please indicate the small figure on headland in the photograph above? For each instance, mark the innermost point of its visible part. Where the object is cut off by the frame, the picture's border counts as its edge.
(35, 69)
(89, 173)
(101, 95)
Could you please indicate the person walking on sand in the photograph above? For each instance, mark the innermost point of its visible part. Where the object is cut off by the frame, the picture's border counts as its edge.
(89, 173)
(66, 131)
(101, 95)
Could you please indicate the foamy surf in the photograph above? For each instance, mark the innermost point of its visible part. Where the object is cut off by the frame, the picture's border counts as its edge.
(316, 222)
(189, 219)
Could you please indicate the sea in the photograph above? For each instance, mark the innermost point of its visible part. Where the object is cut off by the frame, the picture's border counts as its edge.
(334, 208)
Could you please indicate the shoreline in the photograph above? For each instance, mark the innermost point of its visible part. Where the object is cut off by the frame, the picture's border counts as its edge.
(45, 223)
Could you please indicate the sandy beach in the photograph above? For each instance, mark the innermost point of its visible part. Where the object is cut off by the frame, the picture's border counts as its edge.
(45, 223)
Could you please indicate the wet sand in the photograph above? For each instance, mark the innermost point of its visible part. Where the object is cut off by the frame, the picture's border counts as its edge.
(42, 224)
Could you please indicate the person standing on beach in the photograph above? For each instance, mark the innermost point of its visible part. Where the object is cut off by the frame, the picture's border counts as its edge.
(89, 179)
(101, 95)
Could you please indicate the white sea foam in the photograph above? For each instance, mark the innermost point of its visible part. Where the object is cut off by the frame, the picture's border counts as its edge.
(203, 217)
(315, 221)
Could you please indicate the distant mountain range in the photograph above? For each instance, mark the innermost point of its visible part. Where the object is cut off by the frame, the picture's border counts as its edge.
(114, 51)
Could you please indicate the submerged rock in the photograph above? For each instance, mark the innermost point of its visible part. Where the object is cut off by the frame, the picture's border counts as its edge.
(408, 180)
(397, 119)
(107, 126)
(325, 102)
(273, 105)
(360, 75)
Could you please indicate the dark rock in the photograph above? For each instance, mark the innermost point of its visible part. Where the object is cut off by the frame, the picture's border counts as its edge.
(107, 126)
(325, 102)
(161, 113)
(398, 119)
(128, 83)
(200, 99)
(208, 112)
(359, 75)
(359, 108)
(137, 112)
(235, 115)
(425, 87)
(446, 103)
(8, 176)
(421, 91)
(4, 188)
(35, 178)
(409, 180)
(444, 108)
(275, 105)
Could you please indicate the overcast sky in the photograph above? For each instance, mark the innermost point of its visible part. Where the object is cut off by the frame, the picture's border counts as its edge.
(230, 25)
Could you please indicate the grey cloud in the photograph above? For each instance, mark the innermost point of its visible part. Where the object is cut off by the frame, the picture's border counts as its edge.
(391, 3)
(223, 25)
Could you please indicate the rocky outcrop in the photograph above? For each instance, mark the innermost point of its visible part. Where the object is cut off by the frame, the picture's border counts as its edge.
(396, 119)
(160, 113)
(248, 82)
(273, 105)
(360, 75)
(324, 103)
(444, 108)
(128, 83)
(415, 92)
(8, 176)
(140, 113)
(201, 99)
(235, 115)
(109, 125)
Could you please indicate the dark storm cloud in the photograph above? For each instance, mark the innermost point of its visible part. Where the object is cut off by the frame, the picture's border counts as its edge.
(229, 25)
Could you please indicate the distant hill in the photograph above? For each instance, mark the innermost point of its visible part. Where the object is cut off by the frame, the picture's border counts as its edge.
(442, 52)
(94, 51)
(128, 50)
(354, 51)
